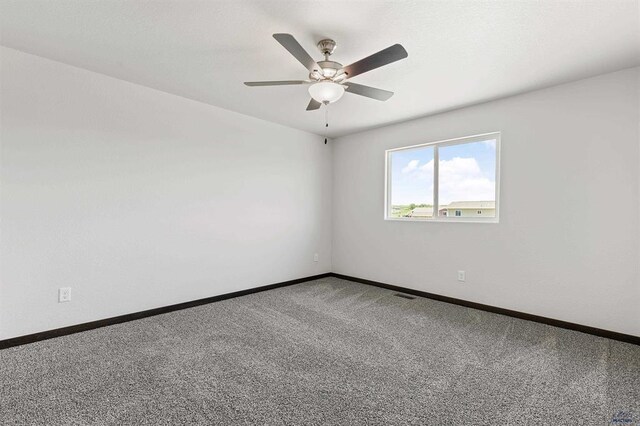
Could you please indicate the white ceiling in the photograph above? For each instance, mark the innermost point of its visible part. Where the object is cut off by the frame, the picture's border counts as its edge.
(460, 52)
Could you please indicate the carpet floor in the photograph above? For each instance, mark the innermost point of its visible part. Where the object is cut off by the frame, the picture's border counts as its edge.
(322, 352)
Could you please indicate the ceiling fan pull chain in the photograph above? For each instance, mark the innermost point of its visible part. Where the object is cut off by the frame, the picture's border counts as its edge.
(326, 119)
(326, 115)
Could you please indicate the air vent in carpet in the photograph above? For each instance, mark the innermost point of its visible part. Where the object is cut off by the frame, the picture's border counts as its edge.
(404, 296)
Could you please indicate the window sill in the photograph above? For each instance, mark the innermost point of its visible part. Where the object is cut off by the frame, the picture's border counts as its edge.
(493, 220)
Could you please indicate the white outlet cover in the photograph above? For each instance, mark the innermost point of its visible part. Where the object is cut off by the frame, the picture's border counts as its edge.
(315, 257)
(462, 276)
(64, 294)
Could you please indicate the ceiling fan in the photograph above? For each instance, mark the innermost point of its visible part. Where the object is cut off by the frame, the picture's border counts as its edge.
(329, 80)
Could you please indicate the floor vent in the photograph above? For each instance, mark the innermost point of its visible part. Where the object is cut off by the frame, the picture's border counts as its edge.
(404, 296)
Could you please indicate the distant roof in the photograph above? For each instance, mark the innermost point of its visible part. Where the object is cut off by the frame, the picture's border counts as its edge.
(470, 205)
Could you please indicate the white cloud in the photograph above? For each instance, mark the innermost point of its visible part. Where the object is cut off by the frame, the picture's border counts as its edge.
(461, 179)
(413, 170)
(490, 143)
(413, 164)
(458, 167)
(427, 170)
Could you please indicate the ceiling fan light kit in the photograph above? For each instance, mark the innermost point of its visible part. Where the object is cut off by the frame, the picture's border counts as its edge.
(329, 79)
(326, 92)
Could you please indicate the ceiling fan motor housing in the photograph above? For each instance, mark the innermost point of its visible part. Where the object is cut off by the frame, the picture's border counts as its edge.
(329, 69)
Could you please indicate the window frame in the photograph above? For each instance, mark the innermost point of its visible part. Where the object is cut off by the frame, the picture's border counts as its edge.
(436, 169)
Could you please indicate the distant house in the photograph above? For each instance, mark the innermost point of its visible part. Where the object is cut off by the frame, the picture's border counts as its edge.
(468, 209)
(457, 209)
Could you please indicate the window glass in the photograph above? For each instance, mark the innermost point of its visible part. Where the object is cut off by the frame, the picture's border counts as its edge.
(411, 186)
(467, 179)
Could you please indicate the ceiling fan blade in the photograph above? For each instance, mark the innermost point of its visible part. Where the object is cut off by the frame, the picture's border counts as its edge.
(313, 105)
(292, 45)
(275, 83)
(383, 57)
(368, 91)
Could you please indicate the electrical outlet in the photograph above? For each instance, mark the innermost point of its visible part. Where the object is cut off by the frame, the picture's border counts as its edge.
(462, 277)
(316, 257)
(64, 294)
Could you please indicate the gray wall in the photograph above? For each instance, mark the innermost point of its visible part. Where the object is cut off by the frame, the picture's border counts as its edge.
(138, 199)
(566, 246)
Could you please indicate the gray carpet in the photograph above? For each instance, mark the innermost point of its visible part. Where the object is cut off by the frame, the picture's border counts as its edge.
(322, 352)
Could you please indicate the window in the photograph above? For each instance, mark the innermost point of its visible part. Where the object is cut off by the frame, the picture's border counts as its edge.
(449, 181)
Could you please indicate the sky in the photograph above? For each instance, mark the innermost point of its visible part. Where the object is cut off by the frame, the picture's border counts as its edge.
(467, 173)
